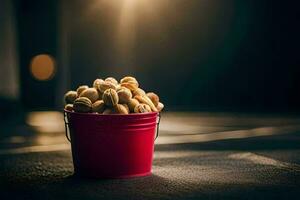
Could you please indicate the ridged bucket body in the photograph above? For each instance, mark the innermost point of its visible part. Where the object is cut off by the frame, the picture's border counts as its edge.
(112, 146)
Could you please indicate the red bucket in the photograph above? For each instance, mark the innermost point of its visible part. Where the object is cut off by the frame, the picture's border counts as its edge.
(112, 146)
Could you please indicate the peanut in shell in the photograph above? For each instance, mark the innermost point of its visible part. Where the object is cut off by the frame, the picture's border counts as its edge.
(90, 93)
(98, 106)
(70, 97)
(142, 108)
(110, 97)
(82, 104)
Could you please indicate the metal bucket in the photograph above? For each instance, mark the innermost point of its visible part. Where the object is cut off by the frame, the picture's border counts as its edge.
(112, 146)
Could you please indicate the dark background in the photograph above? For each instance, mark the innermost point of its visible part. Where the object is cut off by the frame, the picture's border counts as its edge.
(234, 61)
(196, 54)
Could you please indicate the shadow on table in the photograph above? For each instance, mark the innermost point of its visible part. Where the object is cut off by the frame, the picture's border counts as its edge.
(149, 186)
(152, 187)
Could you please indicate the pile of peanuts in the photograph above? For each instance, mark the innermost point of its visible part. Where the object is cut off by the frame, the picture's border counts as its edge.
(112, 97)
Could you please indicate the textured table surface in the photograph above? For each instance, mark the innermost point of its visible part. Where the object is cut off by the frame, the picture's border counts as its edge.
(198, 155)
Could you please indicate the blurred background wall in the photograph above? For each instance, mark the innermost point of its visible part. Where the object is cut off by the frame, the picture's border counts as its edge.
(197, 54)
(9, 69)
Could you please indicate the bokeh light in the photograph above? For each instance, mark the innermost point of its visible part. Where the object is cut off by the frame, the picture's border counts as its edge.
(42, 67)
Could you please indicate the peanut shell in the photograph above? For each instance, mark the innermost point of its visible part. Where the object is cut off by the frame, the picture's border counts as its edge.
(145, 99)
(110, 97)
(132, 103)
(130, 85)
(142, 108)
(69, 107)
(153, 97)
(90, 93)
(98, 106)
(124, 95)
(82, 104)
(160, 106)
(107, 111)
(106, 85)
(112, 80)
(70, 97)
(127, 108)
(81, 88)
(97, 83)
(128, 79)
(138, 91)
(119, 109)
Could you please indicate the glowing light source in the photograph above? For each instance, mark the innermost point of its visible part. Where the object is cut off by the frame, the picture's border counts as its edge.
(42, 67)
(126, 27)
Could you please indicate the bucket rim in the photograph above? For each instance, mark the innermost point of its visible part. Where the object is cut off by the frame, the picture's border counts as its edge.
(117, 115)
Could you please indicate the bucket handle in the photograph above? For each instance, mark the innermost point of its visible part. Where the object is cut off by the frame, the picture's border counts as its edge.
(157, 126)
(67, 128)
